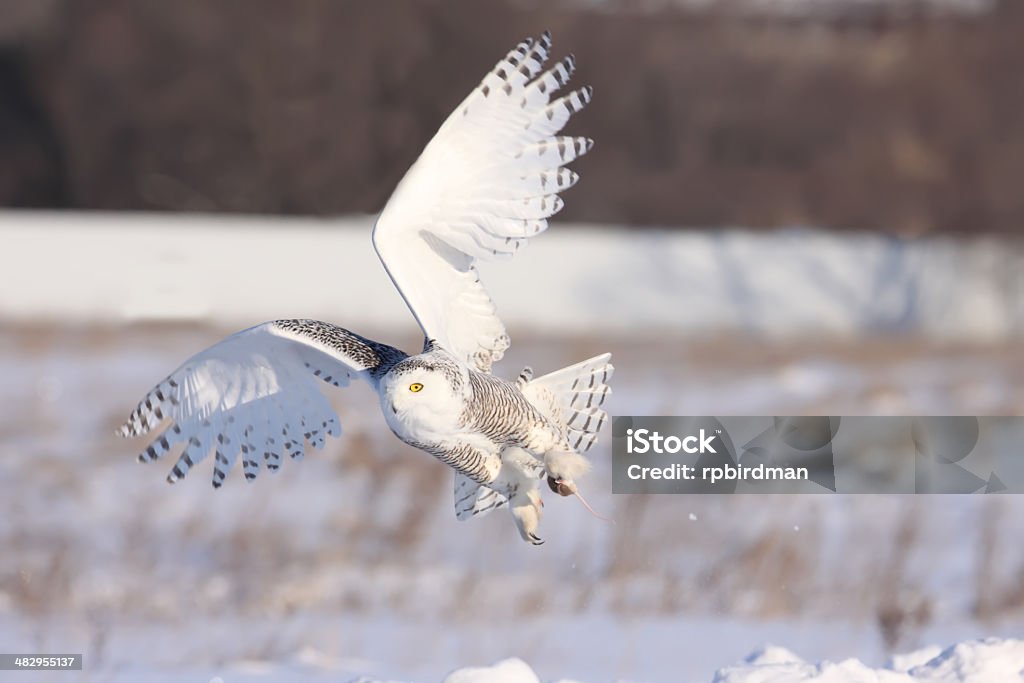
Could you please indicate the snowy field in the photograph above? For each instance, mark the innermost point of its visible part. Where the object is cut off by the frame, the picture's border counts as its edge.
(350, 564)
(591, 281)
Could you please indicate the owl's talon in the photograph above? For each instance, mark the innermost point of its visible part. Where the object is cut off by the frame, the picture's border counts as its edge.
(534, 539)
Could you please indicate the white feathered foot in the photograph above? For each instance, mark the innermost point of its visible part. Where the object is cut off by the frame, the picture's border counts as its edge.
(526, 507)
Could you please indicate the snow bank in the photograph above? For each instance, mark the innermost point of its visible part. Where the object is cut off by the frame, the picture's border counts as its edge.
(576, 279)
(512, 670)
(980, 661)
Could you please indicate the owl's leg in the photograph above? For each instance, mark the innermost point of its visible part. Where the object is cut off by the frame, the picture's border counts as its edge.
(518, 481)
(561, 462)
(526, 508)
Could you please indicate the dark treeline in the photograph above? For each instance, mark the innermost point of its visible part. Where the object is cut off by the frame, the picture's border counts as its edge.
(909, 124)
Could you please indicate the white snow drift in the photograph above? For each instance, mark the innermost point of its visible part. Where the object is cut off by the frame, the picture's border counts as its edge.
(980, 661)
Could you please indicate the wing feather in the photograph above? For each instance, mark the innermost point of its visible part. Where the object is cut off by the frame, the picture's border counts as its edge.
(472, 499)
(255, 394)
(487, 182)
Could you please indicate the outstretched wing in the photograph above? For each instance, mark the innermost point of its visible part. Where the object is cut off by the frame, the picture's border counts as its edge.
(487, 182)
(256, 393)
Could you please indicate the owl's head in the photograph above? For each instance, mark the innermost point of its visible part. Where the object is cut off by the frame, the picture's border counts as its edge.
(420, 385)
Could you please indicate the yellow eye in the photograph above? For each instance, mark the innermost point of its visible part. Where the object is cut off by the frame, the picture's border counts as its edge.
(415, 386)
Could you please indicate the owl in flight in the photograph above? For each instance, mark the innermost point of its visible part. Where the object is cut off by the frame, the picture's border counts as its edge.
(487, 182)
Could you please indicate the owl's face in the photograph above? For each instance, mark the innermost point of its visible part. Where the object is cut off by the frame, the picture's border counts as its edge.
(422, 396)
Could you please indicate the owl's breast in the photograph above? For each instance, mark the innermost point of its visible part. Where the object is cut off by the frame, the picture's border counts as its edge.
(421, 423)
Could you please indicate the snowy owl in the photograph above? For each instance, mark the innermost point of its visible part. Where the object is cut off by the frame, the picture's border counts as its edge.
(486, 183)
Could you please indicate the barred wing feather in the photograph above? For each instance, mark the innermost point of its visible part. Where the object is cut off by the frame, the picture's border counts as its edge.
(255, 394)
(487, 182)
(574, 397)
(473, 499)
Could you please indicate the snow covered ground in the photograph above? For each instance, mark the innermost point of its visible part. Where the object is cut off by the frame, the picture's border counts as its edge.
(981, 661)
(593, 281)
(351, 563)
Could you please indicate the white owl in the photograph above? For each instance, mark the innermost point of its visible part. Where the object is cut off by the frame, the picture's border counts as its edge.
(486, 183)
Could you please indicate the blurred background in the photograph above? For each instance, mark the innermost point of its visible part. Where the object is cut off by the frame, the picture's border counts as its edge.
(793, 207)
(905, 116)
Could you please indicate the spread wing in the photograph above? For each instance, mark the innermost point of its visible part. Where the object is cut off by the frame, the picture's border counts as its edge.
(255, 393)
(486, 183)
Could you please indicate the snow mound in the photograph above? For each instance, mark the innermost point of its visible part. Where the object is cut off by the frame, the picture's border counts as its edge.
(979, 661)
(906, 662)
(506, 671)
(848, 671)
(771, 654)
(512, 670)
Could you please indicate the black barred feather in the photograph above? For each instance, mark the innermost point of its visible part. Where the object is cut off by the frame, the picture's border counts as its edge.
(554, 117)
(539, 92)
(555, 151)
(255, 397)
(575, 396)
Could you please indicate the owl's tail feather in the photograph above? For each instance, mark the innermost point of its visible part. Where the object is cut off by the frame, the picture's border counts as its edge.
(574, 397)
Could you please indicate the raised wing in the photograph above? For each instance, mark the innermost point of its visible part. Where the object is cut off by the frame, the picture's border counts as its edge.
(486, 183)
(256, 393)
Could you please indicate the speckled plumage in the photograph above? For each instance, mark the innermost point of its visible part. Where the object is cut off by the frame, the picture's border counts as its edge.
(491, 409)
(486, 184)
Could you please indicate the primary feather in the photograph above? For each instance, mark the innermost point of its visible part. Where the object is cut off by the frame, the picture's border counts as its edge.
(255, 394)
